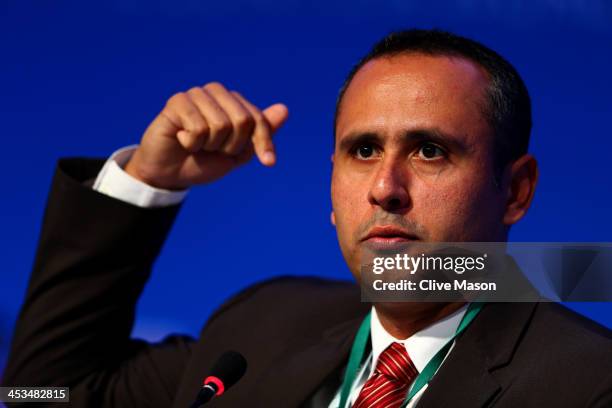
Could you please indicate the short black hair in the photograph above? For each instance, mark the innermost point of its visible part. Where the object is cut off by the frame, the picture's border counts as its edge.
(508, 111)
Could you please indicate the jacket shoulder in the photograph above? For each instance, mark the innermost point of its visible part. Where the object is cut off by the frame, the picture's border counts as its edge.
(572, 331)
(562, 358)
(284, 309)
(292, 297)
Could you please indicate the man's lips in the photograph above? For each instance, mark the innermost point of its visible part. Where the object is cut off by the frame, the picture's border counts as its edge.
(389, 234)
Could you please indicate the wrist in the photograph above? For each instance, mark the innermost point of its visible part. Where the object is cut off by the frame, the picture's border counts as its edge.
(132, 168)
(135, 169)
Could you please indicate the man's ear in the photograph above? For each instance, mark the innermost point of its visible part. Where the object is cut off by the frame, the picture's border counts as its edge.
(332, 216)
(521, 188)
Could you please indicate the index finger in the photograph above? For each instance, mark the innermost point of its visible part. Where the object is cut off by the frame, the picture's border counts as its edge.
(262, 133)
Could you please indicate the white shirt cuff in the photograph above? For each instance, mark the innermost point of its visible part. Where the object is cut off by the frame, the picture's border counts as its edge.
(115, 182)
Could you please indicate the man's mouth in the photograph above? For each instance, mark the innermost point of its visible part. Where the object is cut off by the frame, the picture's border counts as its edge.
(388, 235)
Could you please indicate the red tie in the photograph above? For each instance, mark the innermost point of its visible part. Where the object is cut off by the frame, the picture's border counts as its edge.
(388, 386)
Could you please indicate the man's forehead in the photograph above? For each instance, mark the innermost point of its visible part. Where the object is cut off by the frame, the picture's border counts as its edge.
(403, 89)
(420, 73)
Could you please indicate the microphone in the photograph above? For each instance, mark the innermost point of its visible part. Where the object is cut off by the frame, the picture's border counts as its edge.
(228, 369)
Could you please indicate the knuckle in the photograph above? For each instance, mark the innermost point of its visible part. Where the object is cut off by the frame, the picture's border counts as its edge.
(194, 90)
(259, 119)
(167, 113)
(212, 86)
(199, 128)
(221, 127)
(175, 99)
(244, 122)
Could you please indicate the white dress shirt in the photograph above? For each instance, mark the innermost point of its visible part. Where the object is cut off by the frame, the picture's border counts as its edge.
(115, 182)
(421, 346)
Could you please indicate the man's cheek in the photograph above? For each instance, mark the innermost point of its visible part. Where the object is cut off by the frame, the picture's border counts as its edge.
(441, 211)
(347, 199)
(434, 200)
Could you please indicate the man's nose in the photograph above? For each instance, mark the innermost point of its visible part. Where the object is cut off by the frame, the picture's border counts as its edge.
(389, 188)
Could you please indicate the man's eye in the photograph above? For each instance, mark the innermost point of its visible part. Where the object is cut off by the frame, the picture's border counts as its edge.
(430, 151)
(365, 151)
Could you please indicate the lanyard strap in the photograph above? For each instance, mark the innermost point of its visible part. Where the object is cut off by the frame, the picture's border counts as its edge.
(359, 346)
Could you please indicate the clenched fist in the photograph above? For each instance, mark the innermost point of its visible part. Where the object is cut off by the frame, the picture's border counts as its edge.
(201, 135)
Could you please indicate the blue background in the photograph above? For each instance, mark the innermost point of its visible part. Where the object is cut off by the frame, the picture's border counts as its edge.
(82, 79)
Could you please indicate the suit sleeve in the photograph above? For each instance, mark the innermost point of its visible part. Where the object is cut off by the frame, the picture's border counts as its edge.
(93, 259)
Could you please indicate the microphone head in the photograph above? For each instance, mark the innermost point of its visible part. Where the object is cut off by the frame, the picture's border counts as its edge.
(229, 368)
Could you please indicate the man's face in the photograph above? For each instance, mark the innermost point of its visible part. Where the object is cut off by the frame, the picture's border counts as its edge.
(413, 156)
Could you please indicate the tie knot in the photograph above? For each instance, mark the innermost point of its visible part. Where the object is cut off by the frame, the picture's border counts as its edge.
(395, 364)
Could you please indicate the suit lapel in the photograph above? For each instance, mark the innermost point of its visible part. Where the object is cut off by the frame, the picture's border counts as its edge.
(463, 380)
(466, 378)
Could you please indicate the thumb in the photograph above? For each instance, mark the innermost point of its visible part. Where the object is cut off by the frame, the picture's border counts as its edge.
(276, 115)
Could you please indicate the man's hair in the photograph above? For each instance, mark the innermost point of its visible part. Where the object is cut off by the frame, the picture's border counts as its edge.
(508, 109)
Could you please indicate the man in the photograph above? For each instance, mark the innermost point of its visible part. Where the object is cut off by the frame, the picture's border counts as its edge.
(431, 137)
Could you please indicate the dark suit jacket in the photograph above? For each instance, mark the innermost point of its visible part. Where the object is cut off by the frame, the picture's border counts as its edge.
(94, 257)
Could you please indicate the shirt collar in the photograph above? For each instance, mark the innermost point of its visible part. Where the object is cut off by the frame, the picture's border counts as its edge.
(422, 345)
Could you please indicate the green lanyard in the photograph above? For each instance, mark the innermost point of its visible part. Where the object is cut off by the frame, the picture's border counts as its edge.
(361, 340)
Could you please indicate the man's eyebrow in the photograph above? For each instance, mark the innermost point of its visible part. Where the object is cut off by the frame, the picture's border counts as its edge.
(421, 135)
(353, 139)
(435, 135)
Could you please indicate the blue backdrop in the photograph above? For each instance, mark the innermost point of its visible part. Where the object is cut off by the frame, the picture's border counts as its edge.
(83, 79)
